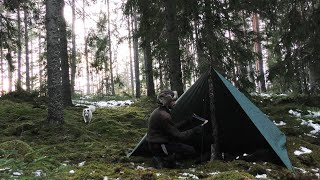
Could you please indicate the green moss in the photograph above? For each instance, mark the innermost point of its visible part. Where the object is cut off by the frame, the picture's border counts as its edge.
(104, 143)
(232, 175)
(304, 160)
(15, 149)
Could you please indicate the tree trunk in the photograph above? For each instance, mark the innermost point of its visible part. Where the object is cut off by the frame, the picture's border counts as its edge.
(86, 47)
(40, 59)
(10, 70)
(26, 40)
(250, 71)
(215, 149)
(211, 39)
(55, 103)
(173, 47)
(136, 54)
(258, 50)
(19, 85)
(199, 46)
(66, 88)
(1, 61)
(31, 66)
(74, 55)
(160, 74)
(148, 68)
(130, 57)
(110, 52)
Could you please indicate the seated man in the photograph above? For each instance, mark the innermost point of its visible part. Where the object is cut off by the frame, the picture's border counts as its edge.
(163, 137)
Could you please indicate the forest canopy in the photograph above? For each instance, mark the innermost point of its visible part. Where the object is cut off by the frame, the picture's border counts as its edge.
(136, 47)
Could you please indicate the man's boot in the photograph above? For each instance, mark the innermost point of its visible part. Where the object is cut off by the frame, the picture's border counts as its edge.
(157, 162)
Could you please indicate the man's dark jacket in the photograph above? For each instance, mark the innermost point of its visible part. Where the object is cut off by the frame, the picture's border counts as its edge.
(162, 129)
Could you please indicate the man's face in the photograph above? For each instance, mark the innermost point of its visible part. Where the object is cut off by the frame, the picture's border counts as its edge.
(172, 104)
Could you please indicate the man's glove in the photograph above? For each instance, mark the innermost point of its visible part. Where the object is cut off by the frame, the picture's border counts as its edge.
(197, 130)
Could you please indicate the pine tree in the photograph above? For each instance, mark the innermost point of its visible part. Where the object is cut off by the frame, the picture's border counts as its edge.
(55, 102)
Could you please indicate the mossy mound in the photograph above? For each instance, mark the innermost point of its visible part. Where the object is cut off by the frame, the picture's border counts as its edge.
(14, 149)
(227, 175)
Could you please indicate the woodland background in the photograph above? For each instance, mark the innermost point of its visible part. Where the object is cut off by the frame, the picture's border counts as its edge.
(55, 51)
(258, 45)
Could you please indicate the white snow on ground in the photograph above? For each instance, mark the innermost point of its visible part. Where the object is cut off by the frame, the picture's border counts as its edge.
(5, 169)
(71, 171)
(17, 173)
(37, 173)
(140, 167)
(281, 123)
(315, 170)
(302, 150)
(187, 175)
(267, 95)
(214, 173)
(295, 113)
(261, 176)
(81, 164)
(112, 103)
(313, 114)
(302, 170)
(105, 178)
(310, 123)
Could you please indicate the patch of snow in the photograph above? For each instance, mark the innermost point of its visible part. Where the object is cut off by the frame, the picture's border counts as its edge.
(317, 174)
(188, 175)
(310, 123)
(180, 177)
(71, 171)
(214, 173)
(17, 173)
(311, 135)
(5, 169)
(37, 173)
(315, 170)
(63, 164)
(294, 113)
(105, 178)
(302, 170)
(245, 154)
(158, 174)
(281, 123)
(192, 169)
(140, 167)
(302, 150)
(261, 176)
(269, 170)
(267, 95)
(313, 114)
(112, 103)
(81, 164)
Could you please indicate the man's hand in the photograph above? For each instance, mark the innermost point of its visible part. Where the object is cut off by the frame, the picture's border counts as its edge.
(197, 130)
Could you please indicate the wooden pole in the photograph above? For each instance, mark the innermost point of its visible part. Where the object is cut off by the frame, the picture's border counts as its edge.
(215, 151)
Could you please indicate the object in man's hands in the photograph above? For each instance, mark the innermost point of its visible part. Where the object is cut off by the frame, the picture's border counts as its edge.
(205, 121)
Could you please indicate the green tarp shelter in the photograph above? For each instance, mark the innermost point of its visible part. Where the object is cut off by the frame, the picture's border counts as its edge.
(242, 127)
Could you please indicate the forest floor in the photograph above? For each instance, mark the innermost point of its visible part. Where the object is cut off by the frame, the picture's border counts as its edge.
(32, 149)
